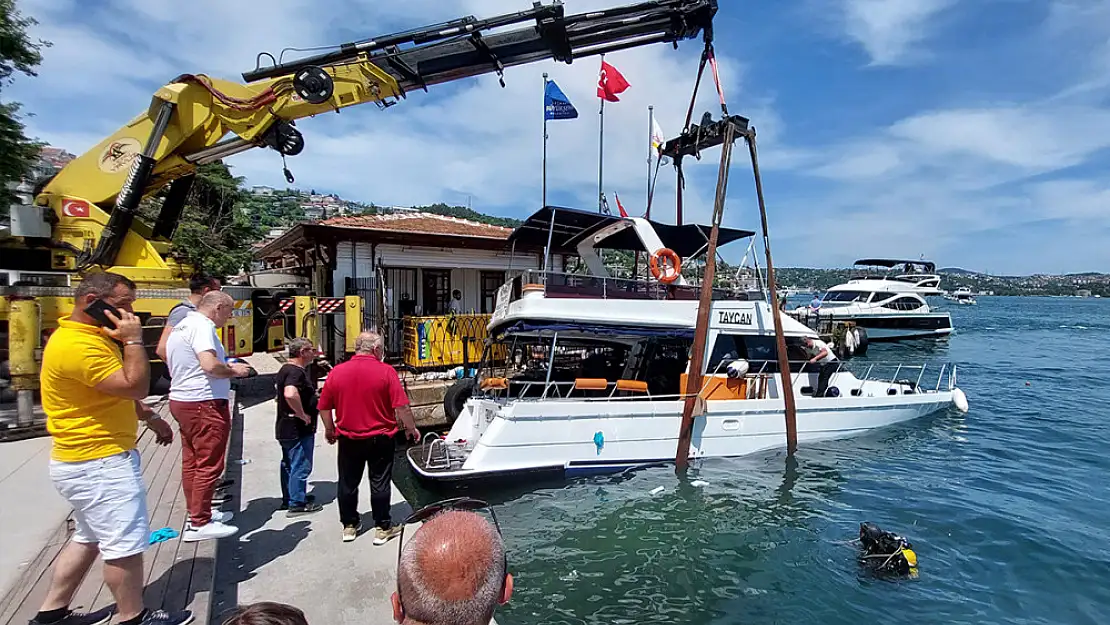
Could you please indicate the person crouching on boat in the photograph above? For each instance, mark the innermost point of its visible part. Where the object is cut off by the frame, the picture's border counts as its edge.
(821, 354)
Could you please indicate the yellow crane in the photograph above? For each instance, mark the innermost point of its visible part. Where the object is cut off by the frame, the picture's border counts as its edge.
(84, 218)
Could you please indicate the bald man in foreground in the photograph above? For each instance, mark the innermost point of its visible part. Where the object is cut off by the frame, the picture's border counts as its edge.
(452, 572)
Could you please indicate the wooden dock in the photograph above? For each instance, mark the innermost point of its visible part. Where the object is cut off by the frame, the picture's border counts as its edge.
(178, 575)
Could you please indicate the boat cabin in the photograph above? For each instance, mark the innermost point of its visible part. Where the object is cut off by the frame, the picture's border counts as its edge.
(560, 334)
(921, 274)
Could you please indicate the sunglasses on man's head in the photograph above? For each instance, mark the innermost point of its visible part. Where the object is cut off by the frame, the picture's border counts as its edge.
(463, 504)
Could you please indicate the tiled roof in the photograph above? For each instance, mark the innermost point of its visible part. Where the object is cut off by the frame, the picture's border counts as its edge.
(420, 223)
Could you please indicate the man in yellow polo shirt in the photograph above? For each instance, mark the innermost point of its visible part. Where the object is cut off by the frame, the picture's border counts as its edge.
(93, 376)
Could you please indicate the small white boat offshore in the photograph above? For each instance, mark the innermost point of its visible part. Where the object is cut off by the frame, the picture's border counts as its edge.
(962, 296)
(585, 373)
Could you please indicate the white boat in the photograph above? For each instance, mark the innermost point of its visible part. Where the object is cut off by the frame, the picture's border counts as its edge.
(920, 274)
(887, 310)
(962, 296)
(586, 373)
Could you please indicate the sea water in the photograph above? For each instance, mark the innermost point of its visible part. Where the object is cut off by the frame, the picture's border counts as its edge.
(1007, 507)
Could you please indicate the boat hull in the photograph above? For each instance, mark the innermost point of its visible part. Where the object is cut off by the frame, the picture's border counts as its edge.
(569, 438)
(899, 327)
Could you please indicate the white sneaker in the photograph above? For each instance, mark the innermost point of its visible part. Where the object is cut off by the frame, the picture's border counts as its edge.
(213, 530)
(217, 515)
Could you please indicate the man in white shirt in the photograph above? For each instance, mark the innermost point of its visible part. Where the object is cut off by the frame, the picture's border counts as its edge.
(821, 354)
(200, 284)
(455, 306)
(199, 392)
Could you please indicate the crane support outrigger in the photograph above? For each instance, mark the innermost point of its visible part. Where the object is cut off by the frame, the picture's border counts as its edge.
(85, 216)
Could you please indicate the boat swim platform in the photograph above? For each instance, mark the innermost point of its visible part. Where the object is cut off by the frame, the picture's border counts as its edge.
(176, 576)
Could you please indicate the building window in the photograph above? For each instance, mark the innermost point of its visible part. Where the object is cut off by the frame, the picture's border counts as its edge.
(437, 291)
(491, 281)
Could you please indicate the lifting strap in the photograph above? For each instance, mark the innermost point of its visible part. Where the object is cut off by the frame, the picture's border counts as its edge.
(707, 56)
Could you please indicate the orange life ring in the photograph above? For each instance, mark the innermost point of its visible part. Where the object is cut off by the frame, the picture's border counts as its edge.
(660, 269)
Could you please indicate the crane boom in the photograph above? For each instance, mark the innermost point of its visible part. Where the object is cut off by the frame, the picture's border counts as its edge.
(196, 119)
(457, 49)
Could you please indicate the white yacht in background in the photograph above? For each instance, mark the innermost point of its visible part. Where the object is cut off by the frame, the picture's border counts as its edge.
(962, 296)
(887, 310)
(587, 373)
(921, 274)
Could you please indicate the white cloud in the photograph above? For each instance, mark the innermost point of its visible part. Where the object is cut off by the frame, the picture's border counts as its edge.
(949, 182)
(1039, 140)
(889, 30)
(867, 159)
(1082, 27)
(1079, 200)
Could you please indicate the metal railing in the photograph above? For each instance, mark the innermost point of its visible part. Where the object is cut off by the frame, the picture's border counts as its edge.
(567, 285)
(445, 341)
(912, 376)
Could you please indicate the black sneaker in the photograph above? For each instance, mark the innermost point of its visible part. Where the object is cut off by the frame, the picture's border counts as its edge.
(307, 499)
(162, 617)
(80, 618)
(308, 508)
(220, 497)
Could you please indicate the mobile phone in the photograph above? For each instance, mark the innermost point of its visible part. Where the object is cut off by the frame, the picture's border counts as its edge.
(97, 309)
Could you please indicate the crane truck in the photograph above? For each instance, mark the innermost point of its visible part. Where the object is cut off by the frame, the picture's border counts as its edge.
(84, 218)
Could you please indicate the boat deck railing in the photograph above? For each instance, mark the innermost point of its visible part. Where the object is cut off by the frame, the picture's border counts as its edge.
(900, 378)
(921, 378)
(573, 286)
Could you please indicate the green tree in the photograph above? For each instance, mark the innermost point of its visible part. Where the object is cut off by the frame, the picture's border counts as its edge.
(463, 212)
(216, 232)
(18, 53)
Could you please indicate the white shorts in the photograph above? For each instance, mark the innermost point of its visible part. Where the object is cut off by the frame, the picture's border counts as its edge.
(109, 502)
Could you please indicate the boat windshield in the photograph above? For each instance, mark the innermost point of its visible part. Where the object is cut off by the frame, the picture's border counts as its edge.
(544, 364)
(845, 297)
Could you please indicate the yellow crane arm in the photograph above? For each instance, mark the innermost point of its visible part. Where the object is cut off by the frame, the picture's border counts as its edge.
(190, 119)
(202, 112)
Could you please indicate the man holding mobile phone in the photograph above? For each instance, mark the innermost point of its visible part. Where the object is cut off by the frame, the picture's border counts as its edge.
(94, 373)
(200, 390)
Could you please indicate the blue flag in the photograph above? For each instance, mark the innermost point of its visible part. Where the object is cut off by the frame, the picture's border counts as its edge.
(555, 104)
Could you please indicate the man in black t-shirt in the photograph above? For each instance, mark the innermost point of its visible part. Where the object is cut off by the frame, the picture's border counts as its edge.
(296, 428)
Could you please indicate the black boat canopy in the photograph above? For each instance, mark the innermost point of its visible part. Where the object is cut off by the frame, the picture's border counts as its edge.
(890, 262)
(573, 225)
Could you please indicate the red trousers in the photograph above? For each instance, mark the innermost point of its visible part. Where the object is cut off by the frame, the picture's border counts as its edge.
(205, 429)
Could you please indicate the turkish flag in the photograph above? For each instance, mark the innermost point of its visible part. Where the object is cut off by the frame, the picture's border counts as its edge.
(611, 83)
(75, 208)
(624, 213)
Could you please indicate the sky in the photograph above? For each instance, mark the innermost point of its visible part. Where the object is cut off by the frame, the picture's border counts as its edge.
(972, 133)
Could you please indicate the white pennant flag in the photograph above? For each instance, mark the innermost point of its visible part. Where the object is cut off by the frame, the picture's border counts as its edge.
(657, 138)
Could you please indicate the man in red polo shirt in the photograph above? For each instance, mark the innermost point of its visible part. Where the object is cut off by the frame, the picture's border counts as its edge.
(368, 401)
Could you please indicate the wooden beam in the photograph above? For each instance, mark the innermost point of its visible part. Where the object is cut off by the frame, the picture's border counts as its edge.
(701, 330)
(787, 390)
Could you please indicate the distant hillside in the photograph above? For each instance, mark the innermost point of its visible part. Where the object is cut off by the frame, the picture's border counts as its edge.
(463, 212)
(954, 277)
